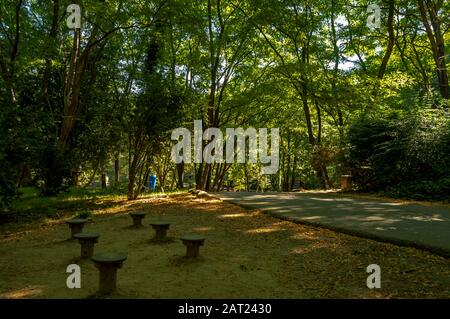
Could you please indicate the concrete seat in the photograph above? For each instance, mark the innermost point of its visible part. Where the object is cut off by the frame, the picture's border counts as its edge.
(76, 225)
(87, 242)
(193, 243)
(137, 218)
(107, 264)
(160, 228)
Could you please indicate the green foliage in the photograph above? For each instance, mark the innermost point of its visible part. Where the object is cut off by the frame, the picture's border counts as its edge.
(437, 189)
(309, 68)
(84, 214)
(401, 150)
(53, 170)
(15, 140)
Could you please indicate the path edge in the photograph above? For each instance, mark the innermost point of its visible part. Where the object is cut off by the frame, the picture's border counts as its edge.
(442, 252)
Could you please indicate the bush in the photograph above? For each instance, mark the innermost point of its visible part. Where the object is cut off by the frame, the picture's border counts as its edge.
(53, 171)
(12, 153)
(422, 190)
(405, 154)
(84, 214)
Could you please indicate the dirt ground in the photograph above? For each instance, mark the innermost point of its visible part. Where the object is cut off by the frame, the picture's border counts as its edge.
(246, 255)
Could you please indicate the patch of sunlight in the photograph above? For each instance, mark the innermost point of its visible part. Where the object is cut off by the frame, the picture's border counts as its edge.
(434, 218)
(312, 191)
(27, 292)
(309, 248)
(301, 250)
(264, 230)
(333, 199)
(385, 228)
(233, 215)
(304, 236)
(374, 218)
(395, 203)
(312, 217)
(200, 229)
(50, 221)
(73, 198)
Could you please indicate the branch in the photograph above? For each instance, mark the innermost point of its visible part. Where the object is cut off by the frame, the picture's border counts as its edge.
(17, 36)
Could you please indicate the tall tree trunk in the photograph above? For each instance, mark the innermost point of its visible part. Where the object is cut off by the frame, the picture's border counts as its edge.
(247, 178)
(391, 42)
(103, 179)
(226, 167)
(7, 68)
(94, 173)
(336, 70)
(72, 88)
(432, 23)
(198, 175)
(75, 178)
(180, 175)
(116, 172)
(48, 60)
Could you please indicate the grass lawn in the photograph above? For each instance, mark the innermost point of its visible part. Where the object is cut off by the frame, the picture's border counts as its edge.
(246, 255)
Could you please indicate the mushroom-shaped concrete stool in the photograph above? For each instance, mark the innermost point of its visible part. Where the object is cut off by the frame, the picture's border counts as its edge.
(107, 264)
(76, 226)
(87, 242)
(192, 243)
(137, 218)
(160, 228)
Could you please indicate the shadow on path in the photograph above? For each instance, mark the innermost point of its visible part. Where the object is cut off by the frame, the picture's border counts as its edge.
(424, 227)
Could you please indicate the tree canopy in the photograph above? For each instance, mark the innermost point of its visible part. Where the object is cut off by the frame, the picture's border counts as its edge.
(348, 99)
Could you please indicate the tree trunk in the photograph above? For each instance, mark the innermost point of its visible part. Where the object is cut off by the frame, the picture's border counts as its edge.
(72, 87)
(432, 23)
(24, 175)
(198, 176)
(48, 60)
(391, 43)
(116, 172)
(76, 179)
(103, 181)
(131, 179)
(226, 167)
(180, 175)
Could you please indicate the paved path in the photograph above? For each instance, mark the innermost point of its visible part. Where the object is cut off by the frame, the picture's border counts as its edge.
(425, 227)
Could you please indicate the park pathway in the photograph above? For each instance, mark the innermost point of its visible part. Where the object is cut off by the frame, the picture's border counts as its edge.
(422, 226)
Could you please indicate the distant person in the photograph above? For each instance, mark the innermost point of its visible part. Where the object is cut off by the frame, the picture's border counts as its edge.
(152, 182)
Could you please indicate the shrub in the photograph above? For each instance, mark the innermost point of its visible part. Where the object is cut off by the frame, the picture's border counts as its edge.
(422, 190)
(407, 154)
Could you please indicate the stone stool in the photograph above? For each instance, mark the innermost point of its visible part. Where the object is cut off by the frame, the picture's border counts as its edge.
(192, 243)
(87, 242)
(160, 228)
(107, 264)
(137, 218)
(76, 226)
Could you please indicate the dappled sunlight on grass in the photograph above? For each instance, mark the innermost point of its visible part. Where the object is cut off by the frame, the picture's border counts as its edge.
(310, 248)
(236, 215)
(28, 292)
(305, 236)
(203, 229)
(264, 230)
